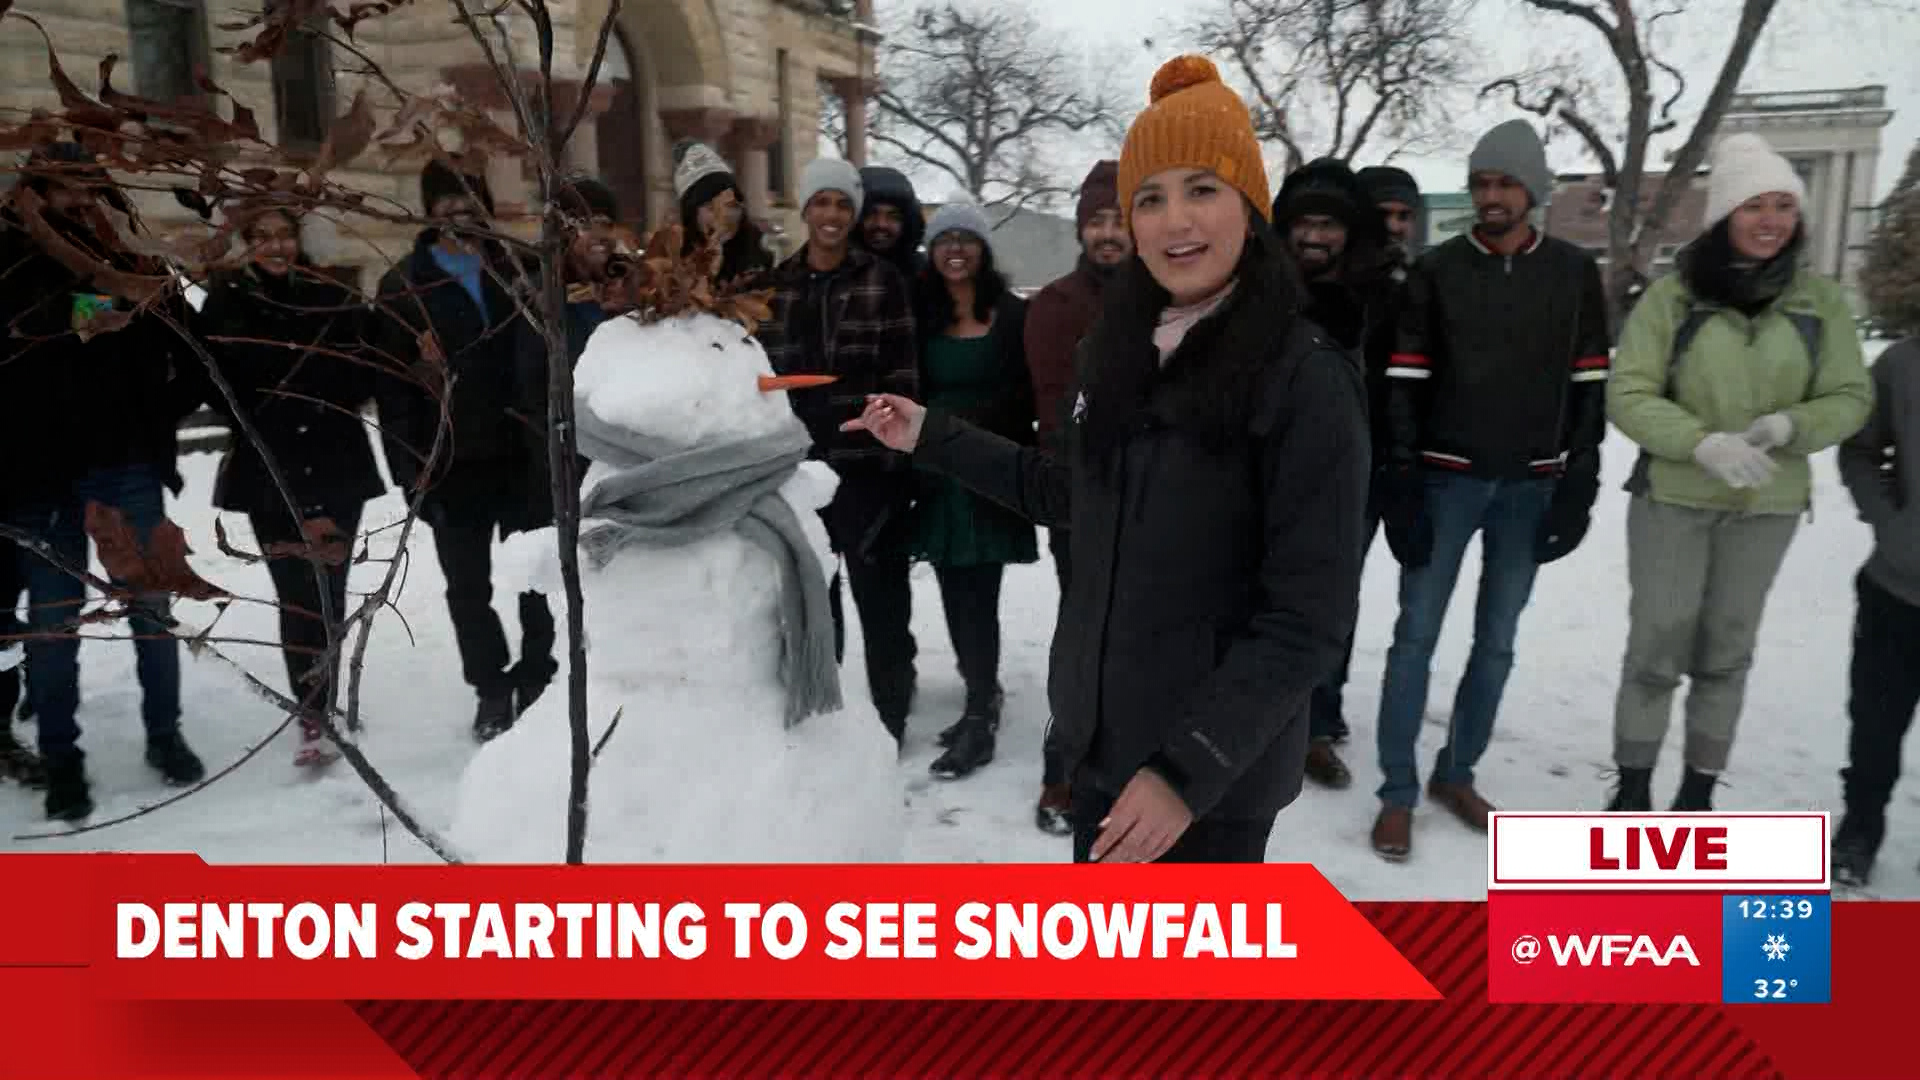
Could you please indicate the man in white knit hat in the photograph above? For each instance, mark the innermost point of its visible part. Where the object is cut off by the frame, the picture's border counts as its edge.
(840, 310)
(1732, 372)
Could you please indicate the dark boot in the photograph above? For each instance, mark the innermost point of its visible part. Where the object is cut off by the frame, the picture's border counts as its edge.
(537, 666)
(1324, 766)
(1696, 792)
(1632, 792)
(893, 694)
(176, 762)
(493, 715)
(1051, 815)
(973, 738)
(1855, 844)
(17, 763)
(67, 796)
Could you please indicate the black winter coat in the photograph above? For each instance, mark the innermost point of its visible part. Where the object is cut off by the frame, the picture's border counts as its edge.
(69, 406)
(305, 401)
(484, 465)
(1215, 583)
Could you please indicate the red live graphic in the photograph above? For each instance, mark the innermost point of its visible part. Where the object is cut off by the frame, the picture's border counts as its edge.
(1664, 849)
(1642, 947)
(173, 927)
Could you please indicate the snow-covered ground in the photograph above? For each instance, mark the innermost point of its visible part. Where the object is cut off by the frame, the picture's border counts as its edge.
(1549, 750)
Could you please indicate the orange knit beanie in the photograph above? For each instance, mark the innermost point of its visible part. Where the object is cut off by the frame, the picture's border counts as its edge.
(1194, 121)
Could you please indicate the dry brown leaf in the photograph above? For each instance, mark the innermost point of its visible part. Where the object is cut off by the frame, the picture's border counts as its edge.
(348, 136)
(115, 544)
(168, 569)
(226, 547)
(136, 287)
(160, 568)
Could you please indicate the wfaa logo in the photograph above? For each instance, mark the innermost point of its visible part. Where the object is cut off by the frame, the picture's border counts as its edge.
(1606, 950)
(1603, 947)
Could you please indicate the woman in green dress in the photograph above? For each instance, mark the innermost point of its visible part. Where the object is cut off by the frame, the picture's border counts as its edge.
(973, 362)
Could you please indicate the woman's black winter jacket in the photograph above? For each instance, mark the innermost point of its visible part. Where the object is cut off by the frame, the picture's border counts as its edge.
(291, 351)
(1216, 541)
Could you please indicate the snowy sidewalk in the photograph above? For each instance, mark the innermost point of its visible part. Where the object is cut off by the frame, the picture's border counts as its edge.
(1550, 748)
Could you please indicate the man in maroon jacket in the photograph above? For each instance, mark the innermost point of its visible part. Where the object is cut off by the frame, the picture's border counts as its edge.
(1057, 317)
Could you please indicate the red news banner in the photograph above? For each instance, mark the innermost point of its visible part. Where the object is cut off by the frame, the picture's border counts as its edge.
(152, 927)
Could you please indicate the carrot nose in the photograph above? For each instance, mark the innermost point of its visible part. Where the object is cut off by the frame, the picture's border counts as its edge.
(773, 383)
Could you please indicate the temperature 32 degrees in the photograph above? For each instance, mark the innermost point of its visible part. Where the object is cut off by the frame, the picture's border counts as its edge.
(1776, 949)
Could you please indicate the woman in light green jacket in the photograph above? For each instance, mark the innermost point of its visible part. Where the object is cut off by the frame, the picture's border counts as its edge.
(1730, 374)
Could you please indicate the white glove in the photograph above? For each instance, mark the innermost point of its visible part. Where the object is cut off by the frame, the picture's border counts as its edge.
(1736, 462)
(1770, 432)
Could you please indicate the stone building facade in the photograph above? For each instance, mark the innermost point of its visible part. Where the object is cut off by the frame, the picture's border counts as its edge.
(749, 76)
(1581, 204)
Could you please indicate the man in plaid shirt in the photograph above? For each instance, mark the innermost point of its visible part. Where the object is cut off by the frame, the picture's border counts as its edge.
(838, 310)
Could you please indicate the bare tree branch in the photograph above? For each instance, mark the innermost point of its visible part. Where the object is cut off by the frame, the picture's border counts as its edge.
(978, 94)
(1336, 74)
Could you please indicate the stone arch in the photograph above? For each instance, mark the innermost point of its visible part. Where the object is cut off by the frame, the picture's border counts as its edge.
(685, 47)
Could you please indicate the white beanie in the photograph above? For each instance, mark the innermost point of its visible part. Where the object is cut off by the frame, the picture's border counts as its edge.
(693, 162)
(1745, 166)
(831, 174)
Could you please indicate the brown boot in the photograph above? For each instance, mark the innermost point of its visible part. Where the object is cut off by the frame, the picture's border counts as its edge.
(1393, 833)
(1324, 766)
(1466, 804)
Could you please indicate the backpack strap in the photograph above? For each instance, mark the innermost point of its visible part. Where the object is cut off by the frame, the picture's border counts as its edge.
(1812, 329)
(1697, 316)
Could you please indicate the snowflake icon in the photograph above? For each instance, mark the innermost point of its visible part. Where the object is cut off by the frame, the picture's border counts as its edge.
(1776, 947)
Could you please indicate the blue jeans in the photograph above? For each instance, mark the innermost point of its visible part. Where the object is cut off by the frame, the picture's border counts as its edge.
(56, 596)
(1507, 515)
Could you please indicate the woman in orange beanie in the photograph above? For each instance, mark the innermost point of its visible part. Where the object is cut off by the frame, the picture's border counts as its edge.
(1213, 478)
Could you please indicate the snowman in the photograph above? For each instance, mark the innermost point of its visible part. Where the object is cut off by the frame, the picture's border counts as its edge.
(705, 569)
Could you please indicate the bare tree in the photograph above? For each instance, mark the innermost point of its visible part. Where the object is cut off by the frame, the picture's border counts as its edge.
(977, 94)
(1653, 88)
(1332, 77)
(210, 159)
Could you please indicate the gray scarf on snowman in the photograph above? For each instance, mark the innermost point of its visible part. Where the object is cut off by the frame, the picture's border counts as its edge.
(669, 496)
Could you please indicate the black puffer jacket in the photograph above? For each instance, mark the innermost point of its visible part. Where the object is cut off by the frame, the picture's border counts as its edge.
(69, 406)
(1215, 527)
(485, 460)
(304, 401)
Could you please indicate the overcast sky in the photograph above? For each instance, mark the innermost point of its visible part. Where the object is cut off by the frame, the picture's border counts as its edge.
(1809, 44)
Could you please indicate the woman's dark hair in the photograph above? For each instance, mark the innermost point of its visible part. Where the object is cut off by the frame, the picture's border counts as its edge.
(744, 252)
(1217, 373)
(936, 303)
(1714, 271)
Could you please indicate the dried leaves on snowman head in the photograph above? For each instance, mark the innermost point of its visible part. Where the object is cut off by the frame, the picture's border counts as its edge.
(669, 281)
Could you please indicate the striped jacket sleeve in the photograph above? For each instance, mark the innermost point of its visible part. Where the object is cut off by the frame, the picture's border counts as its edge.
(1586, 415)
(1410, 367)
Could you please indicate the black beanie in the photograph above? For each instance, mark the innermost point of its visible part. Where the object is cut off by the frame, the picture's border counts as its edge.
(439, 181)
(1324, 186)
(1384, 183)
(582, 194)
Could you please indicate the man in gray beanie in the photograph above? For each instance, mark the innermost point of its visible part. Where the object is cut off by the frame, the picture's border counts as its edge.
(1496, 408)
(839, 310)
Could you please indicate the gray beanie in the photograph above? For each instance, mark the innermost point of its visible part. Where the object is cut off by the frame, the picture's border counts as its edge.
(1514, 148)
(831, 174)
(960, 217)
